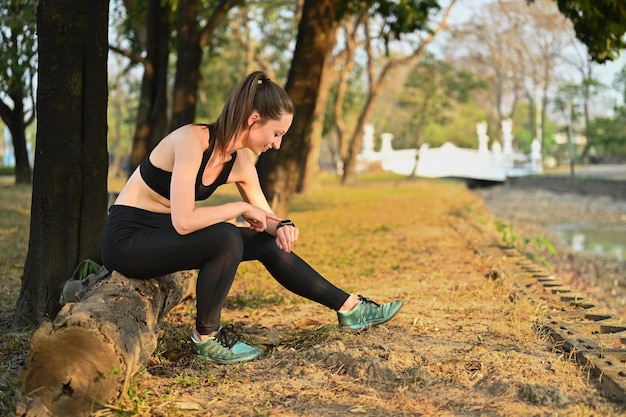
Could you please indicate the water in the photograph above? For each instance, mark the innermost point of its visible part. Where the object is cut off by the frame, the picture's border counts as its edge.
(594, 239)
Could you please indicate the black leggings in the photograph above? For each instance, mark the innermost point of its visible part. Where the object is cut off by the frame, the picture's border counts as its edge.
(142, 244)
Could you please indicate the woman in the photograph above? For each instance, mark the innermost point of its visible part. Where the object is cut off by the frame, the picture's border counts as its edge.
(154, 227)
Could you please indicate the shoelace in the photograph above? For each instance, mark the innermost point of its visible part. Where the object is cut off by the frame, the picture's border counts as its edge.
(367, 300)
(226, 336)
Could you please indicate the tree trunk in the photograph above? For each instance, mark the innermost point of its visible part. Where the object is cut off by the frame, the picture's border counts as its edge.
(280, 171)
(86, 357)
(190, 42)
(310, 168)
(14, 119)
(189, 56)
(350, 163)
(152, 113)
(69, 197)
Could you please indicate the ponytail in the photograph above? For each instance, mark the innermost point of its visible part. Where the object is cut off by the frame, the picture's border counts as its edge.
(255, 93)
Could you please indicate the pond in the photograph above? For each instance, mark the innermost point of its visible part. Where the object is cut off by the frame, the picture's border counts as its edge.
(596, 239)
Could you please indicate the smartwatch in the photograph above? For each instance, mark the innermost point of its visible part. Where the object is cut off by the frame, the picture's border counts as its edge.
(284, 223)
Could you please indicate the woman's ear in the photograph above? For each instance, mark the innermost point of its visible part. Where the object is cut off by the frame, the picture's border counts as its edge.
(253, 118)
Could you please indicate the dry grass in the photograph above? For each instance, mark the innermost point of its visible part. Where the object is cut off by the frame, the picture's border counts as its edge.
(463, 345)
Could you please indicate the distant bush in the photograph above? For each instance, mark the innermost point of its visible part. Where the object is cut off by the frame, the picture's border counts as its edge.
(6, 170)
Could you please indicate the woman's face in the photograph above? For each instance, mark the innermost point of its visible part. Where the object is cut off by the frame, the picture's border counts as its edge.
(269, 135)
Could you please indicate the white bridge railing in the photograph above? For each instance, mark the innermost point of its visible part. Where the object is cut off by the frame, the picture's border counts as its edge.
(497, 164)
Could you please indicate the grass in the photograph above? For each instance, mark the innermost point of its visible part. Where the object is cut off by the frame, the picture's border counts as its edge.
(463, 344)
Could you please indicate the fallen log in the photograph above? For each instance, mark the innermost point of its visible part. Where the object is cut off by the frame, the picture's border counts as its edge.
(107, 330)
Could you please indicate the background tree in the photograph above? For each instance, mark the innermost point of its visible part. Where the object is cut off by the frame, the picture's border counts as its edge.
(516, 48)
(433, 94)
(411, 19)
(584, 91)
(599, 24)
(265, 32)
(192, 38)
(69, 184)
(258, 35)
(152, 111)
(609, 135)
(279, 174)
(343, 65)
(18, 48)
(552, 36)
(310, 167)
(149, 28)
(84, 179)
(122, 111)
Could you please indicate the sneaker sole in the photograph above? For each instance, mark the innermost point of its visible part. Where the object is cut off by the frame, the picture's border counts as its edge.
(229, 361)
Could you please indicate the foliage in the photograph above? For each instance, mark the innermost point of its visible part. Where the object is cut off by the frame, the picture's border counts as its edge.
(518, 50)
(435, 94)
(461, 128)
(251, 44)
(599, 24)
(610, 135)
(18, 65)
(85, 268)
(539, 244)
(620, 83)
(524, 132)
(18, 46)
(398, 17)
(7, 170)
(129, 19)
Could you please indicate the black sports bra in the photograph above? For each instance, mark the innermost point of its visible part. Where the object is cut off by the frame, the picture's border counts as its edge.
(160, 180)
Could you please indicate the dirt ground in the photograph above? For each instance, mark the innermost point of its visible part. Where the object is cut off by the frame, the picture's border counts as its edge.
(466, 342)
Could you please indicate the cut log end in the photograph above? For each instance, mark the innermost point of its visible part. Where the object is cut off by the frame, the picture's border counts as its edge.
(63, 385)
(85, 358)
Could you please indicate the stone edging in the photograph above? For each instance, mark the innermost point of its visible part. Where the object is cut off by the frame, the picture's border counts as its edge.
(578, 326)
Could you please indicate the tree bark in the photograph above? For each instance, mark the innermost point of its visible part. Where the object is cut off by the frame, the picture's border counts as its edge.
(189, 55)
(15, 121)
(279, 172)
(86, 357)
(190, 42)
(310, 168)
(152, 113)
(69, 197)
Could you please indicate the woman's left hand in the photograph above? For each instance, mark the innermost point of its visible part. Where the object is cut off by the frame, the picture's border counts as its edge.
(286, 237)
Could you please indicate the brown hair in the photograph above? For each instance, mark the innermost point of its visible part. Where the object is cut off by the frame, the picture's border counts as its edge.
(255, 93)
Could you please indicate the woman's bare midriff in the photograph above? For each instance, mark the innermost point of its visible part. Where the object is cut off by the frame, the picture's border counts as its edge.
(136, 193)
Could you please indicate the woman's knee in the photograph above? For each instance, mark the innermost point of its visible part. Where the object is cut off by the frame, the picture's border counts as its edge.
(229, 238)
(261, 247)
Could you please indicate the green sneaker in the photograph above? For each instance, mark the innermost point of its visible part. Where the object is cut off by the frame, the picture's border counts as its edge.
(224, 347)
(367, 314)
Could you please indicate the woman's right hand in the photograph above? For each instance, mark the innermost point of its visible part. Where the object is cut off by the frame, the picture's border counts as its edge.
(257, 218)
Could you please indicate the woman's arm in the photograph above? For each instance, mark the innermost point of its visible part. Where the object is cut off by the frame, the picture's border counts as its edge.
(247, 180)
(187, 148)
(250, 189)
